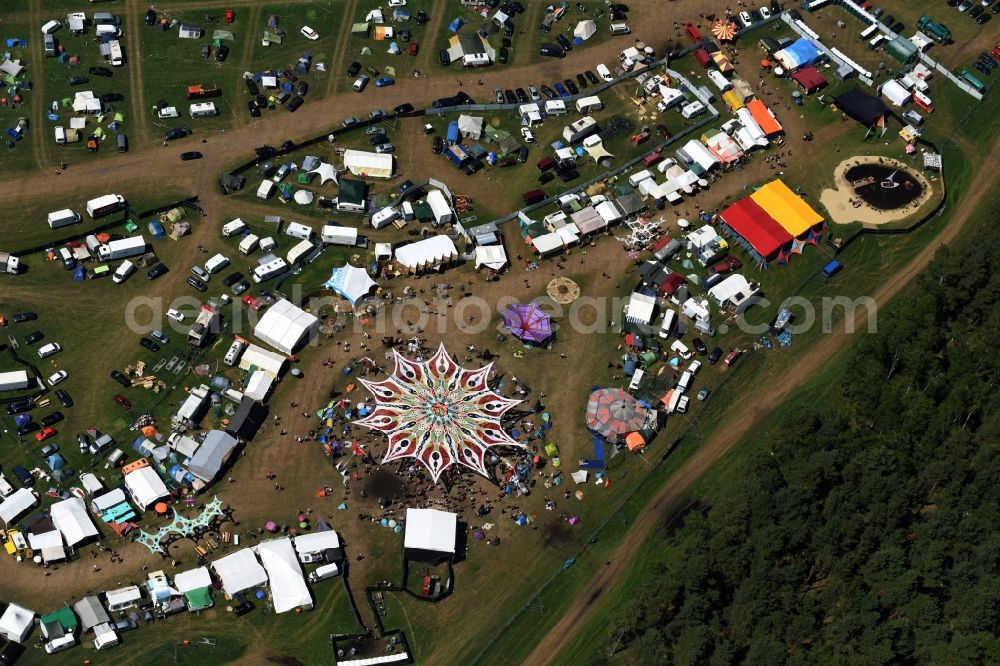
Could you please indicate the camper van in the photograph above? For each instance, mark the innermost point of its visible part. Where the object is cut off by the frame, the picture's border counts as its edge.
(123, 272)
(203, 110)
(269, 270)
(69, 263)
(475, 60)
(693, 109)
(248, 244)
(115, 53)
(266, 189)
(105, 637)
(115, 459)
(121, 141)
(168, 112)
(669, 319)
(233, 227)
(60, 644)
(605, 73)
(299, 230)
(216, 264)
(685, 381)
(267, 244)
(233, 355)
(636, 379)
(301, 250)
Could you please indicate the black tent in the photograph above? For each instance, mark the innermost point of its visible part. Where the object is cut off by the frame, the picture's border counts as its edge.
(249, 417)
(859, 105)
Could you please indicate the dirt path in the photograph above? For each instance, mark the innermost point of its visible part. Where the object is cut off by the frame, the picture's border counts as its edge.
(134, 10)
(746, 416)
(336, 69)
(38, 109)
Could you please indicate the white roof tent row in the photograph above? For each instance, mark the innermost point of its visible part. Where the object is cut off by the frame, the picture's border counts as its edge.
(427, 253)
(286, 327)
(371, 165)
(257, 357)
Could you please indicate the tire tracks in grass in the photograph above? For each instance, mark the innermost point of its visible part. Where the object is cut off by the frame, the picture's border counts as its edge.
(139, 108)
(748, 414)
(337, 57)
(37, 106)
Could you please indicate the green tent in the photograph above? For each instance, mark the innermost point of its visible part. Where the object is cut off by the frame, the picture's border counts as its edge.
(199, 599)
(360, 28)
(305, 177)
(64, 617)
(131, 226)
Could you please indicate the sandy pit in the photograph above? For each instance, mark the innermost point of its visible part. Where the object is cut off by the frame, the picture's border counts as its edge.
(841, 201)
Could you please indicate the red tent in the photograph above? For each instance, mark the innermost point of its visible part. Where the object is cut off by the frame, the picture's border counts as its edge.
(809, 79)
(756, 227)
(701, 55)
(672, 284)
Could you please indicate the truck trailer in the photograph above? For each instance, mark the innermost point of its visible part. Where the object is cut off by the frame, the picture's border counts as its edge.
(105, 205)
(122, 249)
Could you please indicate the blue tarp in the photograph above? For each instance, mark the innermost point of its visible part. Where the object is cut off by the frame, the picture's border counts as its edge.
(452, 135)
(456, 24)
(79, 275)
(800, 53)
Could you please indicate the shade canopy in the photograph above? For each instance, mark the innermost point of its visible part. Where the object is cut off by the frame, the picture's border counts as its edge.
(613, 413)
(527, 322)
(724, 30)
(351, 282)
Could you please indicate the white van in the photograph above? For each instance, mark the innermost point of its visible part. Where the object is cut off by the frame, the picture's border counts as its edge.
(360, 83)
(669, 319)
(61, 218)
(50, 26)
(114, 459)
(299, 230)
(248, 244)
(203, 110)
(216, 263)
(110, 30)
(269, 270)
(168, 112)
(620, 29)
(685, 381)
(48, 350)
(60, 644)
(233, 355)
(323, 572)
(60, 132)
(123, 272)
(604, 72)
(636, 378)
(233, 227)
(694, 367)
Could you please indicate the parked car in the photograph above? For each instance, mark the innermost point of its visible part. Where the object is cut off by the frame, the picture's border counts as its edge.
(64, 399)
(176, 133)
(121, 378)
(123, 402)
(405, 107)
(437, 146)
(561, 89)
(571, 87)
(384, 81)
(309, 33)
(221, 53)
(44, 434)
(549, 92)
(191, 155)
(564, 42)
(33, 337)
(384, 148)
(522, 96)
(591, 77)
(509, 96)
(581, 81)
(51, 419)
(714, 356)
(20, 317)
(57, 377)
(197, 284)
(353, 69)
(503, 55)
(156, 271)
(101, 71)
(294, 104)
(149, 344)
(253, 108)
(703, 394)
(108, 98)
(731, 357)
(150, 16)
(699, 346)
(533, 92)
(78, 80)
(240, 287)
(745, 19)
(350, 121)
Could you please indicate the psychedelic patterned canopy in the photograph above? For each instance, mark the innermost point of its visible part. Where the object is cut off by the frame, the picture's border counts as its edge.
(527, 322)
(613, 413)
(439, 413)
(724, 30)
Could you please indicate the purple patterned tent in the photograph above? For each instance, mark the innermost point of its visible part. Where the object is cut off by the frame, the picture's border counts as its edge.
(527, 322)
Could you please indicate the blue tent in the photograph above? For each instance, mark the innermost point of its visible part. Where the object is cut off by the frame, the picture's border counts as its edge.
(156, 229)
(456, 24)
(79, 274)
(452, 136)
(21, 420)
(55, 461)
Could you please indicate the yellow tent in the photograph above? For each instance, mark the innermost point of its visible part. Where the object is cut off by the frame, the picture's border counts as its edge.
(787, 208)
(732, 100)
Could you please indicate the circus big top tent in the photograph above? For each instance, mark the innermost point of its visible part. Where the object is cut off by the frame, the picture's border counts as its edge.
(528, 322)
(614, 414)
(351, 282)
(439, 413)
(787, 208)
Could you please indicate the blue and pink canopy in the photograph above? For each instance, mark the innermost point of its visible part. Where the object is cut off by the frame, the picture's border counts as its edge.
(527, 322)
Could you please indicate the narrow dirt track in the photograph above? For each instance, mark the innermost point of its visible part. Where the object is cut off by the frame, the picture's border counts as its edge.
(741, 421)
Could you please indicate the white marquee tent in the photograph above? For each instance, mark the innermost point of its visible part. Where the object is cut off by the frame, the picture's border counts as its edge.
(288, 586)
(491, 256)
(430, 529)
(325, 172)
(71, 518)
(195, 579)
(371, 165)
(240, 571)
(16, 623)
(49, 545)
(17, 505)
(286, 326)
(145, 486)
(315, 542)
(351, 282)
(640, 308)
(585, 29)
(262, 359)
(426, 253)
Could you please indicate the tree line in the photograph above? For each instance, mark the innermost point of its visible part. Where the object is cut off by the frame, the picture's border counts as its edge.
(866, 529)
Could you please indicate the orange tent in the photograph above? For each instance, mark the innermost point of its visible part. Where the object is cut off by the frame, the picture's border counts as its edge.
(149, 431)
(763, 117)
(635, 441)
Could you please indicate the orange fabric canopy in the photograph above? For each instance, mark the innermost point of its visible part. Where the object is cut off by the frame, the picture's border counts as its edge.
(635, 441)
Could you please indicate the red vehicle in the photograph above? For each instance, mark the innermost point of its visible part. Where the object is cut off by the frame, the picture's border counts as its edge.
(229, 17)
(251, 302)
(203, 90)
(43, 435)
(720, 268)
(731, 357)
(123, 402)
(734, 262)
(641, 137)
(414, 48)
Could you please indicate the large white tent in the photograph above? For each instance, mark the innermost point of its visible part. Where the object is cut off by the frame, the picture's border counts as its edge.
(325, 172)
(370, 165)
(351, 282)
(240, 572)
(585, 29)
(48, 544)
(491, 256)
(261, 359)
(315, 542)
(71, 518)
(286, 326)
(427, 253)
(195, 579)
(430, 530)
(288, 586)
(16, 623)
(145, 486)
(17, 505)
(640, 308)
